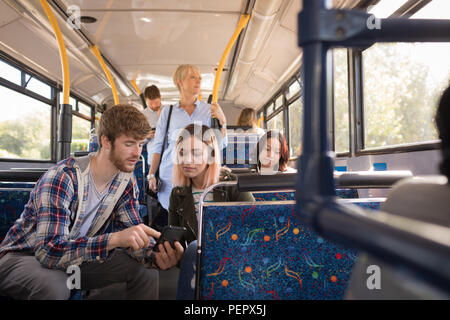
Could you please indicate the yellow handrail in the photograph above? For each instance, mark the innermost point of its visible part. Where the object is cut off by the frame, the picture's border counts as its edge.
(97, 53)
(242, 23)
(133, 83)
(62, 50)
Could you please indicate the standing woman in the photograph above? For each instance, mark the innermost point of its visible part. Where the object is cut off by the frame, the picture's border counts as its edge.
(188, 110)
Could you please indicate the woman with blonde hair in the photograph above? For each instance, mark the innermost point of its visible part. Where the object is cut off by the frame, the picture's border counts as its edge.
(197, 167)
(248, 118)
(189, 109)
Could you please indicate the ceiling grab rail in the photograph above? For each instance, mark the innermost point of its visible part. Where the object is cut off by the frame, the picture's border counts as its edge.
(319, 30)
(64, 138)
(241, 24)
(141, 94)
(99, 57)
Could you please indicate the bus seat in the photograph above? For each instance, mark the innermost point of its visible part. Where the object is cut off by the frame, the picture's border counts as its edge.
(12, 203)
(420, 198)
(93, 143)
(139, 173)
(290, 195)
(259, 251)
(241, 149)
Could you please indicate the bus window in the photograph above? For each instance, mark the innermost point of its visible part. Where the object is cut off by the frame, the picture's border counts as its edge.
(293, 89)
(80, 134)
(38, 87)
(402, 83)
(277, 122)
(10, 73)
(84, 109)
(295, 127)
(341, 118)
(24, 127)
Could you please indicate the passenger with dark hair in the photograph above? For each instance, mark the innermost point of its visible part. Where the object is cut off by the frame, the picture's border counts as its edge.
(152, 111)
(273, 153)
(83, 214)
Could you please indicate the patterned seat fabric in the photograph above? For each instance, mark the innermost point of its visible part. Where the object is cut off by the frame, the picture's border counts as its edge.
(12, 203)
(290, 195)
(261, 252)
(241, 151)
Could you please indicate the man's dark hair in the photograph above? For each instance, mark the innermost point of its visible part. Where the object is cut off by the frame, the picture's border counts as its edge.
(152, 92)
(443, 125)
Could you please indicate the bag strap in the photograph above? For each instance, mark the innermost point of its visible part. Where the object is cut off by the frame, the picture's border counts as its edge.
(164, 141)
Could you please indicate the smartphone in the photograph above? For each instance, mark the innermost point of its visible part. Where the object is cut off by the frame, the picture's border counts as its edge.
(171, 234)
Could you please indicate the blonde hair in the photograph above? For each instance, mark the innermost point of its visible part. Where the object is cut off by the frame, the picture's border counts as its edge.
(208, 137)
(182, 71)
(247, 118)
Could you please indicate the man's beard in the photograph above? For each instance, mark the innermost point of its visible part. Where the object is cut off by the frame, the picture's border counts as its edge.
(118, 162)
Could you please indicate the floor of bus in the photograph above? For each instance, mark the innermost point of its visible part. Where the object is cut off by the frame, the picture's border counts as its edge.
(168, 280)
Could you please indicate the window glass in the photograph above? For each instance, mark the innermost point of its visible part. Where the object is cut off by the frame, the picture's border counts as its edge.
(25, 127)
(295, 127)
(402, 85)
(84, 109)
(38, 87)
(279, 102)
(10, 73)
(436, 9)
(277, 122)
(80, 134)
(270, 109)
(341, 116)
(293, 89)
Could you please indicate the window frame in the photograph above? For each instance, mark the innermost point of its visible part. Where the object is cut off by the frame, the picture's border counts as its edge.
(54, 103)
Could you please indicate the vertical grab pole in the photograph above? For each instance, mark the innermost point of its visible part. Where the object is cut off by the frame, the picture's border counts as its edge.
(65, 116)
(316, 162)
(141, 94)
(241, 24)
(97, 53)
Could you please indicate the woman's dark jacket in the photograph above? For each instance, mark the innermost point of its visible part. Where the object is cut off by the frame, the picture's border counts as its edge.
(182, 211)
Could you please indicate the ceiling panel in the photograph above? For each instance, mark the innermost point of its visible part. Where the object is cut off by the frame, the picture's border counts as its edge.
(207, 5)
(7, 14)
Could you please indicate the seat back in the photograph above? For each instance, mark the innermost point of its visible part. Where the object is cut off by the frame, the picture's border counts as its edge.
(13, 198)
(260, 251)
(240, 151)
(290, 195)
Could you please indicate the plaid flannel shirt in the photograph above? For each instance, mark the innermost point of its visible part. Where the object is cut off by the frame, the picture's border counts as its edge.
(49, 223)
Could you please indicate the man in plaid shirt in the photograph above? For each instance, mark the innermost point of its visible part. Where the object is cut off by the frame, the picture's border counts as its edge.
(84, 212)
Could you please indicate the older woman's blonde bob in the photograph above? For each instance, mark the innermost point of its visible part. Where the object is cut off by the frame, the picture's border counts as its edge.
(182, 71)
(207, 138)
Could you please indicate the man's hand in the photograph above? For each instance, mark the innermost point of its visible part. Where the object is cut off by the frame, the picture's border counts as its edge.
(136, 237)
(167, 257)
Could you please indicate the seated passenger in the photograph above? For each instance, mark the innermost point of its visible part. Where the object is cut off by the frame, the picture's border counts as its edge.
(248, 118)
(273, 153)
(83, 214)
(196, 167)
(424, 199)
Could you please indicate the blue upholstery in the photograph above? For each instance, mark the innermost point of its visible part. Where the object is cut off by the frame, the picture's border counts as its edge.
(290, 195)
(241, 150)
(261, 252)
(93, 143)
(12, 203)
